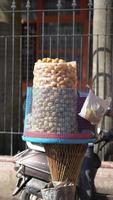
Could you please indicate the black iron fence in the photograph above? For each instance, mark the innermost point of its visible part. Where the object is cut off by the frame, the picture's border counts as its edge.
(30, 30)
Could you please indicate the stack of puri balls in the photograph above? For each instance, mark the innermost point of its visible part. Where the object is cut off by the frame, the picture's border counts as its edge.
(54, 112)
(54, 96)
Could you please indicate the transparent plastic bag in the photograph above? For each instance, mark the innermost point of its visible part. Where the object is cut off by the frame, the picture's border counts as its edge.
(94, 108)
(59, 192)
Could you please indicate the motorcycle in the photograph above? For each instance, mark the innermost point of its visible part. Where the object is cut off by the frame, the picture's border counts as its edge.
(33, 173)
(86, 188)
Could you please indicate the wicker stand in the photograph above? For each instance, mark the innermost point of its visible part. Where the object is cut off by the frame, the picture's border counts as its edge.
(65, 160)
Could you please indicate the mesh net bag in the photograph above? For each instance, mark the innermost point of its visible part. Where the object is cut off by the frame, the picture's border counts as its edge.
(65, 160)
(54, 111)
(54, 103)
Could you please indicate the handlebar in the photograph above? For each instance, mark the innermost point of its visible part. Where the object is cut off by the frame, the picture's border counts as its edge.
(104, 137)
(99, 141)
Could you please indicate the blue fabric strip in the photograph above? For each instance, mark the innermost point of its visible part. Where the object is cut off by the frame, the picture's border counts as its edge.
(58, 141)
(28, 100)
(28, 103)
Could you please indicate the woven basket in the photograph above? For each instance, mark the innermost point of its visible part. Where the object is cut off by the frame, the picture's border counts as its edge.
(65, 160)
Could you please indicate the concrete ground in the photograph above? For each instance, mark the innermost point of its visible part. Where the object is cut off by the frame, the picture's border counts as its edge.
(104, 178)
(7, 178)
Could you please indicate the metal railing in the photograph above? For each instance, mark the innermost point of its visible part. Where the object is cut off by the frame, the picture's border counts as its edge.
(29, 33)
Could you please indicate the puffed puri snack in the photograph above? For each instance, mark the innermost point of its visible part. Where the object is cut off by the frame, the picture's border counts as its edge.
(55, 74)
(54, 103)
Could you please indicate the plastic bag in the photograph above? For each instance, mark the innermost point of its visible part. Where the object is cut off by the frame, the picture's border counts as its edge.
(59, 192)
(94, 108)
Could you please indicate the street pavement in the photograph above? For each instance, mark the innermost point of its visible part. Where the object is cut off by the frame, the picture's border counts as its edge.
(103, 180)
(7, 178)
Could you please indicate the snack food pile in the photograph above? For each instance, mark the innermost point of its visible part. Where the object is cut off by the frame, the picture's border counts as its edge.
(54, 102)
(55, 73)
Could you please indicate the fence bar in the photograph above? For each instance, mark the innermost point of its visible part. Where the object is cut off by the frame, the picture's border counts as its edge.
(97, 78)
(81, 63)
(59, 5)
(65, 47)
(112, 76)
(43, 15)
(105, 46)
(20, 87)
(5, 78)
(50, 43)
(89, 35)
(28, 9)
(13, 6)
(73, 38)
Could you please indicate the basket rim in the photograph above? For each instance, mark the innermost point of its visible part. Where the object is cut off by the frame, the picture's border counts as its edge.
(77, 135)
(58, 141)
